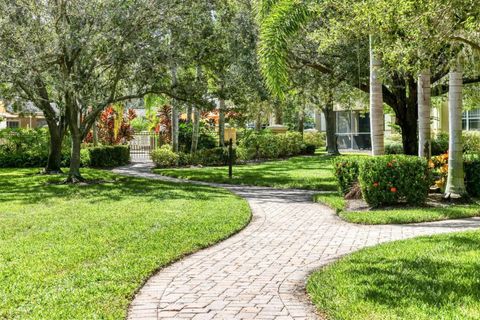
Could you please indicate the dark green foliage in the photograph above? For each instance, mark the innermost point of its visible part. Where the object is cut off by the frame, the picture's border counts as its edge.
(472, 174)
(109, 156)
(440, 144)
(27, 148)
(388, 180)
(394, 148)
(206, 139)
(308, 149)
(164, 157)
(266, 145)
(212, 157)
(346, 172)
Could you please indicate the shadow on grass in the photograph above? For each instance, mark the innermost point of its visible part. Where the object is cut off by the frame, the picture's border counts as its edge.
(22, 186)
(438, 272)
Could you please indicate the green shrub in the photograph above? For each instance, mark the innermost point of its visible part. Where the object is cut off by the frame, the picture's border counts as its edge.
(164, 157)
(346, 172)
(314, 138)
(212, 157)
(472, 174)
(308, 149)
(471, 142)
(266, 145)
(207, 138)
(290, 143)
(24, 148)
(390, 179)
(393, 148)
(109, 156)
(440, 144)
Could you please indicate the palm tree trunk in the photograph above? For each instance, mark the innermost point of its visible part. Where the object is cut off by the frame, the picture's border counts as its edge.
(196, 129)
(455, 182)
(376, 104)
(221, 123)
(424, 104)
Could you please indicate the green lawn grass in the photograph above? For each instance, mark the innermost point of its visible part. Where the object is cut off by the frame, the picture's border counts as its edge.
(314, 173)
(398, 215)
(81, 252)
(424, 278)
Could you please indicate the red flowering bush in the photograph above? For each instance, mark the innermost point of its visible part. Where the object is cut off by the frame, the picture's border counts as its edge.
(391, 179)
(114, 126)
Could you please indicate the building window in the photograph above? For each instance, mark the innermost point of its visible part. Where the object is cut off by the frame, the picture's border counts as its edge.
(471, 120)
(13, 124)
(353, 130)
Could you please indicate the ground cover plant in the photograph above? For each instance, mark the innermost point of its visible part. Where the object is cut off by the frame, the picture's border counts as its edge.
(423, 278)
(314, 173)
(81, 251)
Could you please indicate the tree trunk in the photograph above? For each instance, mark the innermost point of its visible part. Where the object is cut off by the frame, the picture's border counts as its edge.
(258, 122)
(376, 105)
(455, 188)
(174, 113)
(73, 114)
(221, 123)
(424, 103)
(301, 121)
(56, 132)
(74, 175)
(174, 127)
(95, 133)
(189, 114)
(196, 130)
(331, 122)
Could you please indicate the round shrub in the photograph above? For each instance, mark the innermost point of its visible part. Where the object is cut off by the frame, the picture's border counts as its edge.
(164, 157)
(471, 142)
(440, 144)
(346, 172)
(314, 138)
(394, 148)
(386, 180)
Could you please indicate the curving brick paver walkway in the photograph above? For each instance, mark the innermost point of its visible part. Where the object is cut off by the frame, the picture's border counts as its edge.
(260, 273)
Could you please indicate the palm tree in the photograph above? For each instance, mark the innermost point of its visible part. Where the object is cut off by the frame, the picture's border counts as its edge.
(455, 182)
(376, 104)
(424, 104)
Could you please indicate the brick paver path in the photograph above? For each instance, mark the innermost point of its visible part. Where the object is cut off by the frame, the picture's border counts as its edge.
(260, 273)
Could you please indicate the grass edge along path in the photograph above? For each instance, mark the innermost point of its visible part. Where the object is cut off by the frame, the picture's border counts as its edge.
(77, 252)
(398, 215)
(423, 278)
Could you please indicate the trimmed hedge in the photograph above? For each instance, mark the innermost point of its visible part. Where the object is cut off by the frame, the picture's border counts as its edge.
(109, 156)
(386, 180)
(346, 172)
(472, 174)
(266, 145)
(164, 157)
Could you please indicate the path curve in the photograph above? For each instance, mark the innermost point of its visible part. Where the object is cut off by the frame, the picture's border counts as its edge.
(260, 273)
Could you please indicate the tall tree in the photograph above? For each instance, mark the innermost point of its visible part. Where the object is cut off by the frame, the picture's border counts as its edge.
(455, 182)
(424, 105)
(376, 104)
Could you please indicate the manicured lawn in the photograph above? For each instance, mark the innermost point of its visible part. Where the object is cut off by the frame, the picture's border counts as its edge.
(424, 278)
(314, 173)
(398, 215)
(81, 252)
